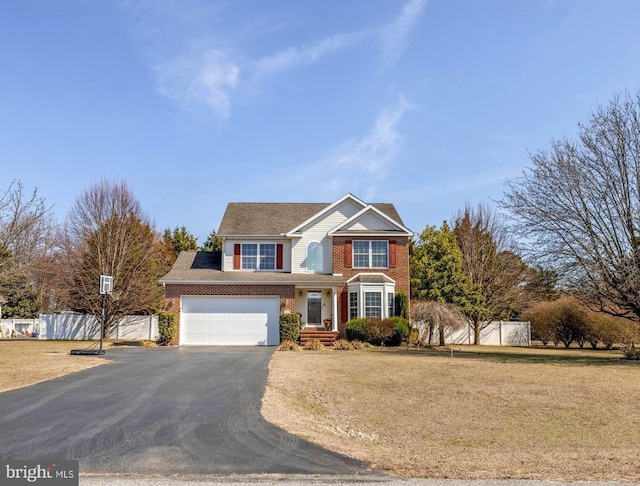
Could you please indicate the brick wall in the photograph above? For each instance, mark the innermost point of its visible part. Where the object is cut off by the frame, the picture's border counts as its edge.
(173, 292)
(400, 273)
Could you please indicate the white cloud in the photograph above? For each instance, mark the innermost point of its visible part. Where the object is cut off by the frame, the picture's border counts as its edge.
(194, 68)
(207, 79)
(395, 36)
(360, 165)
(292, 57)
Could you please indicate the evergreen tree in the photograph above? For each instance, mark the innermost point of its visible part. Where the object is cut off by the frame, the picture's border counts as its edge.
(178, 240)
(436, 271)
(213, 243)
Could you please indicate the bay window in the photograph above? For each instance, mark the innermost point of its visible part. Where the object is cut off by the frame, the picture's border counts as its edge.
(373, 305)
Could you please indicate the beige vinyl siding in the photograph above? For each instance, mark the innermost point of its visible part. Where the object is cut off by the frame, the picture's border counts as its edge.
(370, 221)
(317, 231)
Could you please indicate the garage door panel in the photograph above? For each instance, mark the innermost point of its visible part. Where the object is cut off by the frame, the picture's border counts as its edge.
(229, 320)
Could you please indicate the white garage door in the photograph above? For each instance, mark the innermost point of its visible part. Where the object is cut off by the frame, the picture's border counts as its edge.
(230, 320)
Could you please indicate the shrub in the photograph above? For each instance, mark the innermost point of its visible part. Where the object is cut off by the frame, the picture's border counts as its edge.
(562, 321)
(380, 331)
(289, 327)
(414, 336)
(360, 345)
(167, 328)
(401, 305)
(543, 318)
(632, 353)
(314, 345)
(289, 346)
(388, 332)
(401, 331)
(342, 345)
(357, 330)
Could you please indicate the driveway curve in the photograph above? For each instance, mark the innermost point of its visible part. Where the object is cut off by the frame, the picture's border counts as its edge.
(188, 410)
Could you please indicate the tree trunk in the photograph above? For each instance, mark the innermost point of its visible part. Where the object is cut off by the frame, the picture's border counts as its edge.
(441, 332)
(476, 333)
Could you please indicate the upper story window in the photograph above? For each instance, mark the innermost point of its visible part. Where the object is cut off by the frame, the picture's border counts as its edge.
(258, 256)
(370, 254)
(315, 258)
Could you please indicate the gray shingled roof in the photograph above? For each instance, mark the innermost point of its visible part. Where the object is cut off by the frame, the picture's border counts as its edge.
(252, 219)
(200, 266)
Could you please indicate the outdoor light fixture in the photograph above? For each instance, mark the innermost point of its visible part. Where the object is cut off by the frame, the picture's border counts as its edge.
(300, 294)
(328, 293)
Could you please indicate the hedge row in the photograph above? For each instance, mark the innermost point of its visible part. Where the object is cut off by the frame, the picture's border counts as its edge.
(386, 332)
(567, 321)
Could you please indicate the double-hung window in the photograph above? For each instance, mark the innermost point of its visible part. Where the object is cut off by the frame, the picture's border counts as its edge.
(353, 305)
(391, 307)
(258, 256)
(371, 254)
(373, 305)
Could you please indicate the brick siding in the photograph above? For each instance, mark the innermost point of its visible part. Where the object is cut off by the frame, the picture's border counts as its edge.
(173, 293)
(400, 273)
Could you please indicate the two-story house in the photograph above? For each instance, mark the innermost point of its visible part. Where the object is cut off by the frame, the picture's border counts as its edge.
(329, 262)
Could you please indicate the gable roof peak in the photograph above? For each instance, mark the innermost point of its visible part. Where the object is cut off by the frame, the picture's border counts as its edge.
(325, 210)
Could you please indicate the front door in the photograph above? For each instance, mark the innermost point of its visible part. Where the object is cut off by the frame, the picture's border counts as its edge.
(314, 308)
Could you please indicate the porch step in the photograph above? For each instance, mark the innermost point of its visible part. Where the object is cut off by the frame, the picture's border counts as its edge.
(325, 337)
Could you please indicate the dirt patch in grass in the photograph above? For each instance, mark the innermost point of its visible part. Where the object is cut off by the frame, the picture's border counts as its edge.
(542, 414)
(24, 363)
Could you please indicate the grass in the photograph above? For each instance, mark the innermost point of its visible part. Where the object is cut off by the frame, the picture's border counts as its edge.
(488, 412)
(27, 362)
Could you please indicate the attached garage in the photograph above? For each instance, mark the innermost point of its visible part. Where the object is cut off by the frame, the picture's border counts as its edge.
(228, 320)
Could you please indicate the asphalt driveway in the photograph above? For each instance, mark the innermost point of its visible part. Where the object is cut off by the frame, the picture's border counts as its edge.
(161, 411)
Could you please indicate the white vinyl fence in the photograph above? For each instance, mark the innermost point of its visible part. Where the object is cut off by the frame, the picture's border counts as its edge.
(17, 327)
(83, 326)
(497, 333)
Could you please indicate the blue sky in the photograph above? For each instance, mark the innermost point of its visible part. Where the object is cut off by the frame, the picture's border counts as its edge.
(427, 104)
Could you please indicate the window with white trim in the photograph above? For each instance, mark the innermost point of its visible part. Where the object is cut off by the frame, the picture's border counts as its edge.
(373, 305)
(370, 253)
(391, 305)
(353, 305)
(314, 257)
(258, 256)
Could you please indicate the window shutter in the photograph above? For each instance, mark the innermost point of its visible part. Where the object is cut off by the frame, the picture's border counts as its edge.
(348, 254)
(279, 256)
(236, 256)
(344, 304)
(392, 254)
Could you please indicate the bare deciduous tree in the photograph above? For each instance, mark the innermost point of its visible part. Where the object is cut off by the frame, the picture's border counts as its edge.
(579, 207)
(25, 222)
(27, 232)
(490, 261)
(431, 316)
(107, 233)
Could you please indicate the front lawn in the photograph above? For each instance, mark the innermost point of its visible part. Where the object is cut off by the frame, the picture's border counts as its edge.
(487, 412)
(26, 362)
